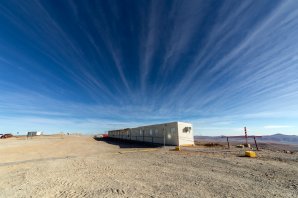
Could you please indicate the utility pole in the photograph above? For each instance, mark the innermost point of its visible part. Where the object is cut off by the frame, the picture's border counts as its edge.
(164, 137)
(245, 133)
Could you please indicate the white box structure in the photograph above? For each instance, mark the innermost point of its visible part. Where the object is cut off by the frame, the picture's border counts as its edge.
(173, 133)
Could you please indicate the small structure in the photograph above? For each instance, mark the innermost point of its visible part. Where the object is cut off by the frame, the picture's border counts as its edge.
(173, 133)
(38, 133)
(34, 133)
(31, 133)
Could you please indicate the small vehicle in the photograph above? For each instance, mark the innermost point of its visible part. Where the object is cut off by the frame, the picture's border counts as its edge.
(98, 136)
(7, 135)
(101, 137)
(105, 135)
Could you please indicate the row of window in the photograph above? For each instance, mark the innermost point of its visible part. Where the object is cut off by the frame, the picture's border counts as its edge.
(141, 131)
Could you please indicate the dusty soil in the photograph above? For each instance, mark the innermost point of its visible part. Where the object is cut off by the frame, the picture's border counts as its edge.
(78, 166)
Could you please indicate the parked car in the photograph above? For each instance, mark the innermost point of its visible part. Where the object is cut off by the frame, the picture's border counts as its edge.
(101, 137)
(7, 135)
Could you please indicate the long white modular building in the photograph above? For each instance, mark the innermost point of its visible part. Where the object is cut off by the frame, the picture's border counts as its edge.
(173, 133)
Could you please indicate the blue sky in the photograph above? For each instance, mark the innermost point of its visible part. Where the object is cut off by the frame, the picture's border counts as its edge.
(91, 66)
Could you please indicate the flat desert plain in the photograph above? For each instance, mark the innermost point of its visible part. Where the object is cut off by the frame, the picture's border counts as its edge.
(79, 166)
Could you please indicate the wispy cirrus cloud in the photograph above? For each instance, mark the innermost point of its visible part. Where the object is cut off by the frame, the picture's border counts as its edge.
(277, 126)
(148, 61)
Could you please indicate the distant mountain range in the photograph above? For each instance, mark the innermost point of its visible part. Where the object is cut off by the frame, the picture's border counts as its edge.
(279, 138)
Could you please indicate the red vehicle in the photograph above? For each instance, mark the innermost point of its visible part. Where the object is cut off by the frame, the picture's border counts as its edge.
(101, 137)
(8, 135)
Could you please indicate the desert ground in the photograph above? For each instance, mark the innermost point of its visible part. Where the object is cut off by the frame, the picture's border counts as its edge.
(79, 166)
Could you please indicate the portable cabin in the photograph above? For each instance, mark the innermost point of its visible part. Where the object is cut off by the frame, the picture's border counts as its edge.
(173, 133)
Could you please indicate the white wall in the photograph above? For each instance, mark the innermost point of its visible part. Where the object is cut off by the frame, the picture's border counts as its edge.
(185, 137)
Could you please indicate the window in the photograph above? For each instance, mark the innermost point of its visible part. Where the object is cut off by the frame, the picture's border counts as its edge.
(173, 130)
(186, 129)
(151, 132)
(156, 131)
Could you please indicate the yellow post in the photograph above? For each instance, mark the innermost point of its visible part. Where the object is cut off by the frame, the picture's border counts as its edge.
(177, 148)
(250, 154)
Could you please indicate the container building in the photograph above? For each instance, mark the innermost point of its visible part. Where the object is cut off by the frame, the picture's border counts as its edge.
(173, 133)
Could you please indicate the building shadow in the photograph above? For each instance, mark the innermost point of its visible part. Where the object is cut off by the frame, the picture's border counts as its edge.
(122, 143)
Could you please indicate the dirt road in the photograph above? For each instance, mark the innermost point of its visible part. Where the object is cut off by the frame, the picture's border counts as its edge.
(78, 166)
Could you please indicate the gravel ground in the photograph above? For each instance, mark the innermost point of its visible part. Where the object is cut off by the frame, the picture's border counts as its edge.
(78, 166)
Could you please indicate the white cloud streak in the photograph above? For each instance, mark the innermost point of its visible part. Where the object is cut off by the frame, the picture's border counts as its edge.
(277, 126)
(244, 67)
